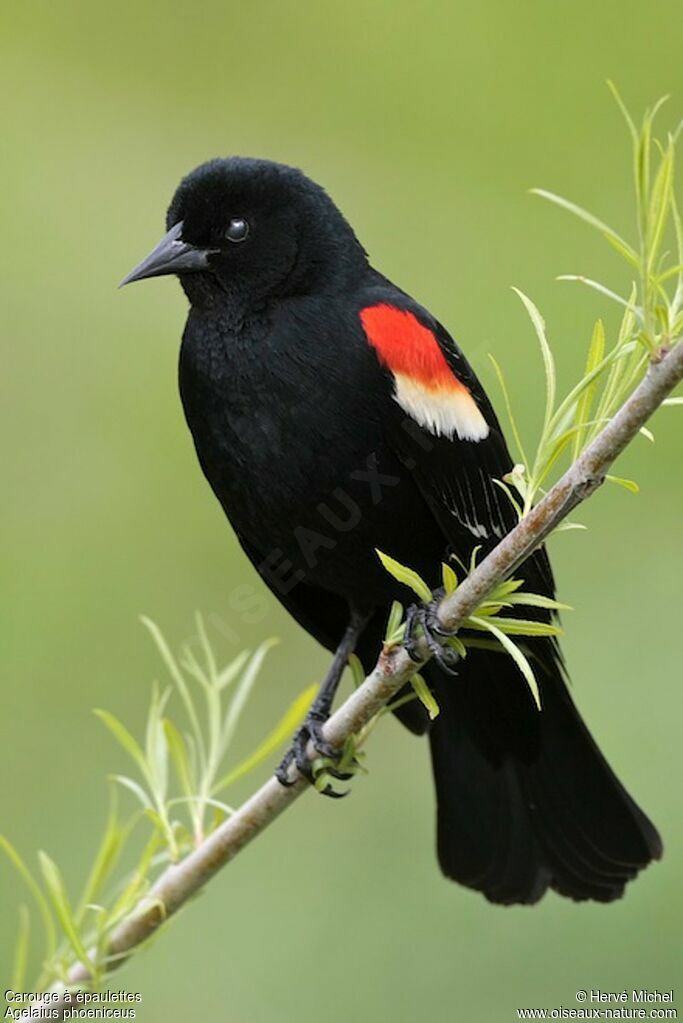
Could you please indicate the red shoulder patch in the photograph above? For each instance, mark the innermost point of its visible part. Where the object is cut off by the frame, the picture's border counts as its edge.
(407, 347)
(425, 386)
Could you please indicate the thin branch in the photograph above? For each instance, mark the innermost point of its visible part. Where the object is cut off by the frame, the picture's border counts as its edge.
(393, 669)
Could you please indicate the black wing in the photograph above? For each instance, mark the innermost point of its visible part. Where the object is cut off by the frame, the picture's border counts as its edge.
(457, 475)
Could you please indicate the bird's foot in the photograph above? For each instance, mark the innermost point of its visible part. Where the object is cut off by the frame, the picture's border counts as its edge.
(422, 622)
(331, 762)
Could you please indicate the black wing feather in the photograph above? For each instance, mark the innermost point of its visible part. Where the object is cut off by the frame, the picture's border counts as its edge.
(457, 477)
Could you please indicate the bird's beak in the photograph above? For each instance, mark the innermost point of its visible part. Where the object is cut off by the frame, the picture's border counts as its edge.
(172, 255)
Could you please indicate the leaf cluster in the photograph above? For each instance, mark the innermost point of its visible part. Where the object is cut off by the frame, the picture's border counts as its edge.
(181, 770)
(652, 320)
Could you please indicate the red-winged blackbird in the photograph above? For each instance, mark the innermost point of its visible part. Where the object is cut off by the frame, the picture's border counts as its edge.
(333, 416)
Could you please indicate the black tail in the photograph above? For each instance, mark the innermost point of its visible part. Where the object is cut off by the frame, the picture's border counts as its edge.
(526, 801)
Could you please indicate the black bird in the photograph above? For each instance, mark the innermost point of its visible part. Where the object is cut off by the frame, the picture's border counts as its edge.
(333, 416)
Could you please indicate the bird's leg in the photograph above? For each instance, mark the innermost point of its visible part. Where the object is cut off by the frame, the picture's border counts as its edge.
(424, 619)
(311, 730)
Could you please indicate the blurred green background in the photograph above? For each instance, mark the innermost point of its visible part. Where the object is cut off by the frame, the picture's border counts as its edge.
(427, 123)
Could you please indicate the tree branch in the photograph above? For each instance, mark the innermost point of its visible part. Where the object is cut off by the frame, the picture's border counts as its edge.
(393, 669)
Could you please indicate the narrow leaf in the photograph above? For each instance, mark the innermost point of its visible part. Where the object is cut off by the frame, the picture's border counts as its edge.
(177, 676)
(38, 897)
(242, 692)
(228, 675)
(548, 361)
(515, 626)
(284, 729)
(425, 696)
(135, 788)
(105, 858)
(596, 286)
(394, 621)
(517, 656)
(180, 757)
(60, 902)
(629, 485)
(457, 644)
(624, 110)
(449, 579)
(124, 738)
(406, 576)
(357, 671)
(508, 409)
(584, 215)
(596, 352)
(537, 600)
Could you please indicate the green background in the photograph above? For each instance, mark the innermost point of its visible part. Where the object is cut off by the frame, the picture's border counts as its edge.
(427, 123)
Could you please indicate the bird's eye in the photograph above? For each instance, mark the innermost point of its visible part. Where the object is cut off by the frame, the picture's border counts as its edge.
(237, 230)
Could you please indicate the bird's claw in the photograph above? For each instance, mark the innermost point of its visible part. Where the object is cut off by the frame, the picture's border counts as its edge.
(422, 622)
(313, 770)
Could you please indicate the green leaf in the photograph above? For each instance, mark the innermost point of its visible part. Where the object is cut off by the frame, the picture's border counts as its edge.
(588, 218)
(626, 484)
(518, 478)
(38, 897)
(672, 271)
(457, 644)
(181, 685)
(156, 746)
(228, 675)
(672, 401)
(624, 110)
(570, 402)
(596, 354)
(537, 600)
(487, 608)
(242, 693)
(357, 670)
(285, 727)
(124, 738)
(209, 658)
(425, 696)
(449, 579)
(506, 587)
(60, 902)
(394, 622)
(566, 526)
(510, 496)
(660, 205)
(223, 808)
(137, 881)
(135, 788)
(678, 228)
(508, 409)
(596, 286)
(516, 655)
(514, 626)
(473, 557)
(548, 361)
(625, 251)
(406, 576)
(550, 456)
(180, 757)
(105, 859)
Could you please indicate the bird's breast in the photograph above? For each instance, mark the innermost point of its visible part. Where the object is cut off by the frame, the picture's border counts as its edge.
(278, 421)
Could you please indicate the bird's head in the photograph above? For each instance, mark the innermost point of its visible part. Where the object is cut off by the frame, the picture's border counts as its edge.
(251, 230)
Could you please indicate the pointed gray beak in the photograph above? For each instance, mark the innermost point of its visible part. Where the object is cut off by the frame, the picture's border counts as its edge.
(171, 256)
